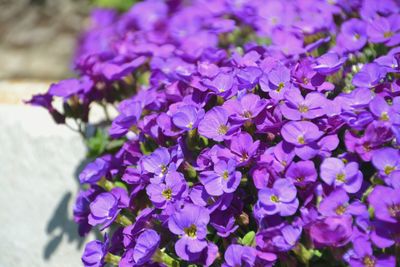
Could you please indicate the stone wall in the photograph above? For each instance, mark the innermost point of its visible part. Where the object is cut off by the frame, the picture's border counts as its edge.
(39, 160)
(37, 37)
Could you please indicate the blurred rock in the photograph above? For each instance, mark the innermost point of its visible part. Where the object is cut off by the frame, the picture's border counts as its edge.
(37, 37)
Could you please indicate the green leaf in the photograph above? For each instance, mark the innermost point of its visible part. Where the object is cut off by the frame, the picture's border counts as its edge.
(121, 5)
(97, 144)
(248, 239)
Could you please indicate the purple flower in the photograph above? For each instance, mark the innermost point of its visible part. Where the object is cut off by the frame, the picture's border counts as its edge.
(300, 133)
(281, 198)
(157, 162)
(362, 255)
(369, 76)
(94, 253)
(130, 112)
(332, 231)
(146, 245)
(383, 111)
(215, 125)
(337, 204)
(190, 223)
(303, 135)
(94, 171)
(224, 222)
(248, 77)
(296, 107)
(335, 172)
(288, 238)
(243, 147)
(188, 117)
(237, 255)
(245, 108)
(171, 190)
(386, 160)
(302, 172)
(329, 63)
(82, 210)
(69, 87)
(223, 179)
(278, 82)
(223, 84)
(384, 30)
(386, 203)
(353, 35)
(103, 210)
(142, 221)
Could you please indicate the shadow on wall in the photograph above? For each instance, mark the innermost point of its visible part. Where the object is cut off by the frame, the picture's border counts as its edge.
(61, 225)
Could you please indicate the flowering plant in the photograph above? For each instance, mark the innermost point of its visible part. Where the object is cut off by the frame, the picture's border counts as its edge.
(249, 133)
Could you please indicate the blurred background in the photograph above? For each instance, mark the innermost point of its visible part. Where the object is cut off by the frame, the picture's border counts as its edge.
(40, 160)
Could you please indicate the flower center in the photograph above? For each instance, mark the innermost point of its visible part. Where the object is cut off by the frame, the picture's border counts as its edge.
(306, 80)
(357, 36)
(190, 125)
(274, 198)
(163, 169)
(341, 177)
(303, 108)
(388, 34)
(384, 116)
(280, 86)
(394, 210)
(340, 210)
(301, 140)
(369, 261)
(245, 156)
(300, 179)
(222, 130)
(191, 231)
(167, 193)
(388, 169)
(247, 114)
(225, 175)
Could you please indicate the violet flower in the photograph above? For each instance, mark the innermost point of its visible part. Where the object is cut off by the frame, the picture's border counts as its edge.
(191, 224)
(337, 204)
(332, 231)
(353, 35)
(188, 117)
(237, 255)
(94, 253)
(103, 210)
(362, 255)
(146, 245)
(386, 160)
(173, 188)
(215, 125)
(296, 107)
(94, 171)
(329, 63)
(335, 172)
(281, 198)
(243, 147)
(223, 179)
(386, 203)
(302, 173)
(245, 108)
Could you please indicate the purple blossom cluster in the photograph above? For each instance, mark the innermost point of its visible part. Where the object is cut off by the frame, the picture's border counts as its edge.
(253, 133)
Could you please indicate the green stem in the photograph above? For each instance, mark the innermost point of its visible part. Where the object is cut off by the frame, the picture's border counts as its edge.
(112, 259)
(162, 257)
(106, 184)
(123, 220)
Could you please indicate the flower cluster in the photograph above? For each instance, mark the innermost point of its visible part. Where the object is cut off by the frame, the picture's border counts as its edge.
(251, 133)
